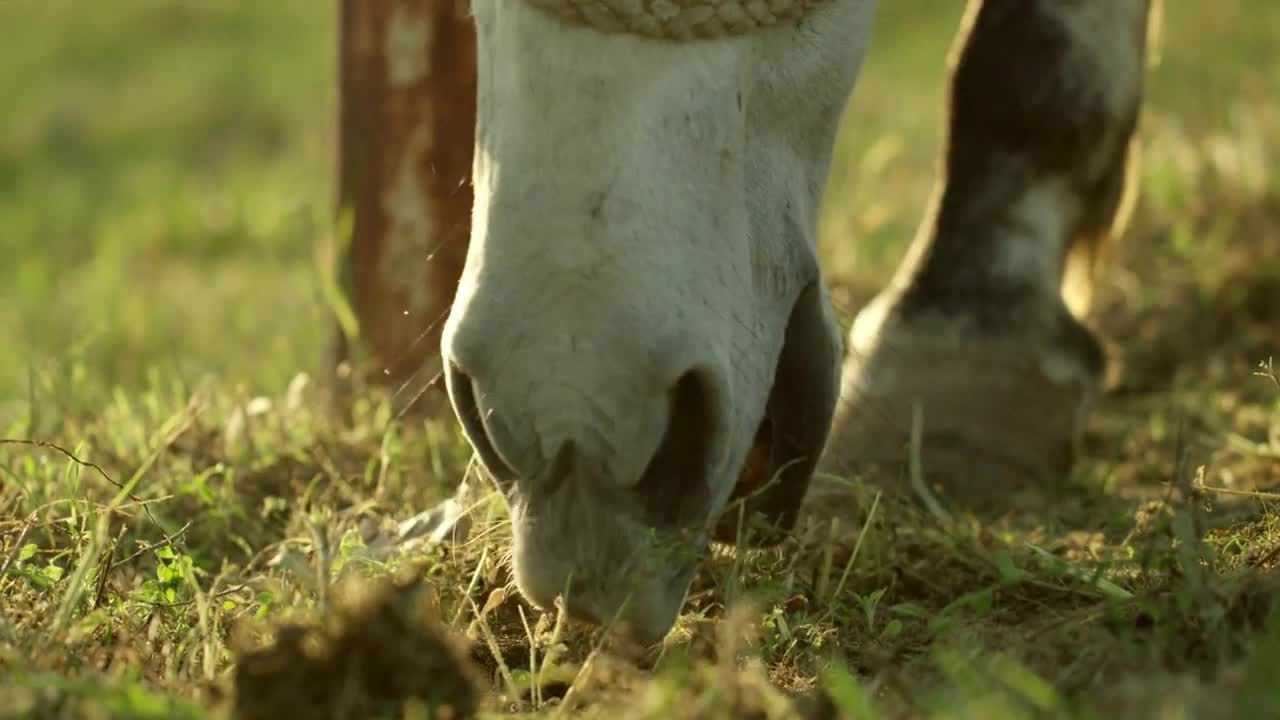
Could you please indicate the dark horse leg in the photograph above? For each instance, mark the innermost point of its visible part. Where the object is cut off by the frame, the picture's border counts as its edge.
(978, 335)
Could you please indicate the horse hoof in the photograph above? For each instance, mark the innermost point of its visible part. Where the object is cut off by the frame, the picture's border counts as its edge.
(998, 413)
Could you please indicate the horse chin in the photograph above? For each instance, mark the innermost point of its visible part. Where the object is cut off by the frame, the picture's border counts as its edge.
(608, 567)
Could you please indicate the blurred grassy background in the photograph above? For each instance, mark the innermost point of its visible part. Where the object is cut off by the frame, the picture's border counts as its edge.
(164, 176)
(165, 186)
(166, 170)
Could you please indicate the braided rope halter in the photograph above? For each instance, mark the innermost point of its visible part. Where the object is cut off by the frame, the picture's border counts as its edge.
(678, 20)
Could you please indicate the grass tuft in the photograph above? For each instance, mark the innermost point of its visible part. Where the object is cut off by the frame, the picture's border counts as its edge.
(187, 529)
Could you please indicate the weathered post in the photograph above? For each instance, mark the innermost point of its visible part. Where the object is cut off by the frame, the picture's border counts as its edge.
(407, 115)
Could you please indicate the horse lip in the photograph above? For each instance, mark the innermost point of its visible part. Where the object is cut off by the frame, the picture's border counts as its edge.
(637, 592)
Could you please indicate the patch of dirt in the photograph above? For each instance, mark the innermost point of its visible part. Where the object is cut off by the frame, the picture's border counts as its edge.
(381, 648)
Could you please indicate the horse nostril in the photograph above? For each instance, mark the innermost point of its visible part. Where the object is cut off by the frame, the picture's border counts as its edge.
(673, 489)
(462, 395)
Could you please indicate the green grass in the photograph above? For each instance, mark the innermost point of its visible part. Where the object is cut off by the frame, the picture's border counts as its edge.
(165, 182)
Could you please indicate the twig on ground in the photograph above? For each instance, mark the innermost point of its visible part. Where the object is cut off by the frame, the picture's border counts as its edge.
(1200, 486)
(185, 603)
(853, 556)
(17, 544)
(96, 468)
(916, 466)
(151, 547)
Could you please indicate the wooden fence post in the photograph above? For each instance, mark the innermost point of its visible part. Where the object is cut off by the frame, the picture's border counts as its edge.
(406, 127)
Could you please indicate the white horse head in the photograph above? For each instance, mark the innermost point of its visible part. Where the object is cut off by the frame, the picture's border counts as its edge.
(641, 309)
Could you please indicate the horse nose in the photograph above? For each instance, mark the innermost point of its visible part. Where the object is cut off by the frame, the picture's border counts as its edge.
(510, 449)
(480, 425)
(673, 489)
(646, 450)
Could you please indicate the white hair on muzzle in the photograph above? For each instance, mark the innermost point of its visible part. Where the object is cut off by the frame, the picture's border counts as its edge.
(677, 19)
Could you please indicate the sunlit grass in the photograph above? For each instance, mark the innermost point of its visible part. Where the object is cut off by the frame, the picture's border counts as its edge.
(165, 179)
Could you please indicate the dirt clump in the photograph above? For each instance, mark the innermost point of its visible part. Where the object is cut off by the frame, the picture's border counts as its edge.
(381, 652)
